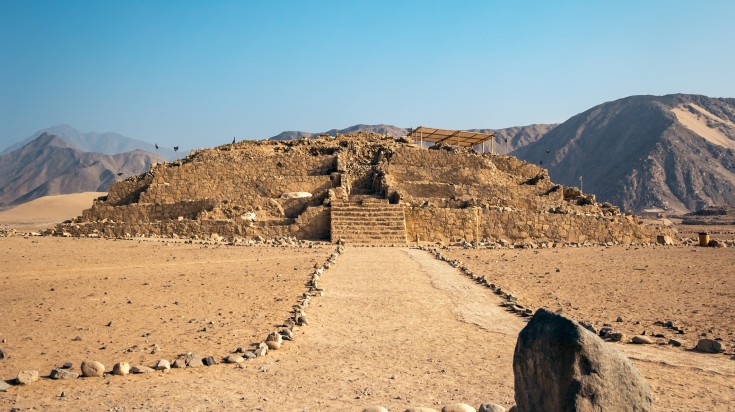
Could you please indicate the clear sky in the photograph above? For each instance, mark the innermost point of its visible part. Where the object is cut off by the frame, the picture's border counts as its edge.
(197, 73)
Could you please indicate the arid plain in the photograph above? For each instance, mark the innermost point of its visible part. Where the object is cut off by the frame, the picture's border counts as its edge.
(395, 327)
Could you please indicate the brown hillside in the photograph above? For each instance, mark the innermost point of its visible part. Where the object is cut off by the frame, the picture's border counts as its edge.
(674, 151)
(51, 166)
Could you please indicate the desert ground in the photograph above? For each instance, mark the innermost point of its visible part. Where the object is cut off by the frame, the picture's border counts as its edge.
(395, 327)
(46, 211)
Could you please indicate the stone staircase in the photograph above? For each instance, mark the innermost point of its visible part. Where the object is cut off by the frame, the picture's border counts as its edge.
(368, 221)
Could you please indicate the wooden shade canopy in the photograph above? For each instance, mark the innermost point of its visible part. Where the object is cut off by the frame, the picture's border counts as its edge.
(455, 137)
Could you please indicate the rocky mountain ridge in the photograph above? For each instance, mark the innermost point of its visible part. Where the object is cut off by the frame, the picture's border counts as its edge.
(674, 151)
(108, 143)
(49, 165)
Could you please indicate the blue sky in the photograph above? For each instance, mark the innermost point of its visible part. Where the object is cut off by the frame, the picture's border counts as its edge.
(196, 73)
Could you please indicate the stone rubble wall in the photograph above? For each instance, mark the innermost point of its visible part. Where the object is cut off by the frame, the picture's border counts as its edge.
(127, 191)
(314, 223)
(189, 209)
(194, 229)
(414, 156)
(445, 225)
(230, 186)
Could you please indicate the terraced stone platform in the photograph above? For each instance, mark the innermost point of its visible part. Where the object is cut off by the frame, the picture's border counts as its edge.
(368, 222)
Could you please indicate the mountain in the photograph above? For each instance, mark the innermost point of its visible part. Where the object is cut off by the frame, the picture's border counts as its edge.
(108, 143)
(513, 138)
(49, 165)
(377, 128)
(674, 151)
(507, 140)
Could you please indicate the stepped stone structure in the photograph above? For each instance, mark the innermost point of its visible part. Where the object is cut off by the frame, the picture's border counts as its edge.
(361, 188)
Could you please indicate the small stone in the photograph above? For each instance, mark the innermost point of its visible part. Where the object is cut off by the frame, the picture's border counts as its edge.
(614, 336)
(162, 365)
(674, 342)
(121, 369)
(4, 386)
(274, 337)
(64, 374)
(3, 354)
(588, 326)
(27, 377)
(179, 363)
(240, 349)
(286, 334)
(619, 319)
(67, 365)
(209, 361)
(491, 407)
(420, 409)
(234, 359)
(249, 355)
(92, 369)
(375, 409)
(273, 345)
(261, 351)
(77, 338)
(641, 340)
(194, 361)
(458, 407)
(709, 346)
(141, 369)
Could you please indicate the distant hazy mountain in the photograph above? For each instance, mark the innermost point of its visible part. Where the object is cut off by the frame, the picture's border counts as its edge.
(507, 140)
(675, 151)
(105, 143)
(377, 128)
(49, 165)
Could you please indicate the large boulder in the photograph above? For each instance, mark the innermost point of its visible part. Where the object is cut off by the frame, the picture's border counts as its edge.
(561, 366)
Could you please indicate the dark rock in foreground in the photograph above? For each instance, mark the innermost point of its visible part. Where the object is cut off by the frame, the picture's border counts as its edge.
(561, 366)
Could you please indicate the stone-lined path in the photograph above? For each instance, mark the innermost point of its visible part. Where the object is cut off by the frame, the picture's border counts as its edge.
(395, 328)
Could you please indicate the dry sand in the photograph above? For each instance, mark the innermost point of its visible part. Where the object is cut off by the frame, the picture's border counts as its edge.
(47, 211)
(702, 123)
(396, 328)
(691, 286)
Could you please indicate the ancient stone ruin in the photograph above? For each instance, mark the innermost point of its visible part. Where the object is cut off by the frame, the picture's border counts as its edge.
(361, 188)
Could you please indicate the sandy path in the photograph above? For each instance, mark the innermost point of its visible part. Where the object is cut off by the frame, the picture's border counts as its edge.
(395, 328)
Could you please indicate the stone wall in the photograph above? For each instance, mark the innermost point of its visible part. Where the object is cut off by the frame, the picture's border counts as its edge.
(444, 225)
(189, 209)
(195, 229)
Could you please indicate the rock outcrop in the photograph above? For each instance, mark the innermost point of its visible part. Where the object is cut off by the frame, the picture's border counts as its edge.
(561, 366)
